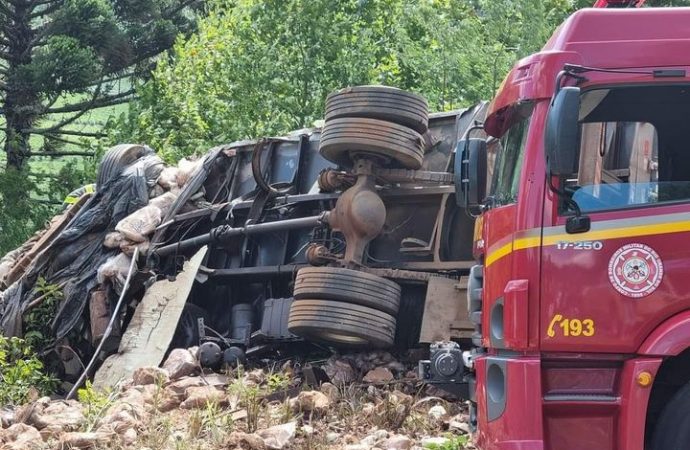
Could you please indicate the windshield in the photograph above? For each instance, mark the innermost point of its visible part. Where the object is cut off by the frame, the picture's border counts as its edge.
(505, 159)
(634, 148)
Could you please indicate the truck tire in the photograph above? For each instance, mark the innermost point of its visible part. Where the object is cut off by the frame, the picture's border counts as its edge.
(346, 285)
(117, 158)
(673, 427)
(341, 138)
(341, 324)
(379, 102)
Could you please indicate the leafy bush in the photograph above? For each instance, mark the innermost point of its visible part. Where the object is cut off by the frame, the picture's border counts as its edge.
(265, 67)
(37, 331)
(21, 372)
(453, 443)
(96, 403)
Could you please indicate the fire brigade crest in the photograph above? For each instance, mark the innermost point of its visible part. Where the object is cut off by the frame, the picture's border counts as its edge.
(635, 270)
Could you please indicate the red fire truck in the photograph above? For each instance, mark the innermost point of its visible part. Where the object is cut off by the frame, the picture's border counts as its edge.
(582, 292)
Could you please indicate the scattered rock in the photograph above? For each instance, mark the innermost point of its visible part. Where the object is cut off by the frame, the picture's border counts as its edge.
(378, 375)
(129, 437)
(118, 422)
(6, 417)
(150, 375)
(51, 432)
(20, 437)
(437, 414)
(332, 437)
(180, 363)
(392, 410)
(310, 402)
(279, 436)
(179, 387)
(330, 391)
(339, 371)
(462, 427)
(374, 438)
(398, 442)
(308, 430)
(255, 377)
(200, 396)
(137, 397)
(437, 441)
(244, 440)
(79, 440)
(170, 400)
(396, 366)
(433, 391)
(356, 447)
(66, 414)
(215, 379)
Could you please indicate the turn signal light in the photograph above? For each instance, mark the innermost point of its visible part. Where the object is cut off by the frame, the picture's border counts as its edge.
(644, 379)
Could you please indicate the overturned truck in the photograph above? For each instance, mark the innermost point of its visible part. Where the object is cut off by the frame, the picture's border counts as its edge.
(344, 236)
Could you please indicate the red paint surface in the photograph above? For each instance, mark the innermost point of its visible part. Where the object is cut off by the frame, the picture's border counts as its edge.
(549, 379)
(514, 429)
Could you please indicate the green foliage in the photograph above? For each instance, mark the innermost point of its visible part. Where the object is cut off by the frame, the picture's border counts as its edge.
(19, 214)
(63, 65)
(277, 381)
(250, 398)
(96, 403)
(28, 199)
(37, 330)
(21, 372)
(265, 67)
(454, 443)
(64, 58)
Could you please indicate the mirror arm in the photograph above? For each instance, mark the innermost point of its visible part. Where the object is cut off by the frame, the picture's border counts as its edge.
(568, 72)
(578, 223)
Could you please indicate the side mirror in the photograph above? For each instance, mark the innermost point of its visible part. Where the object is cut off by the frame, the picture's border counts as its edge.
(470, 172)
(562, 137)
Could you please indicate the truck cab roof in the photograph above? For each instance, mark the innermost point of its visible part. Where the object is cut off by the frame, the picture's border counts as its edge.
(601, 38)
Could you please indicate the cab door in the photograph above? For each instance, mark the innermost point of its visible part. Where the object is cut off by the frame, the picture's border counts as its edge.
(605, 290)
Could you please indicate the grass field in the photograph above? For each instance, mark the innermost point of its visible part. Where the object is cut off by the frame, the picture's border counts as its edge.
(46, 167)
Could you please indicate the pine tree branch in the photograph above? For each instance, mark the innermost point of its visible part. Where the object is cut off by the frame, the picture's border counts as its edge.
(47, 11)
(174, 11)
(87, 107)
(108, 100)
(35, 3)
(6, 56)
(72, 133)
(40, 33)
(7, 12)
(116, 78)
(60, 154)
(79, 144)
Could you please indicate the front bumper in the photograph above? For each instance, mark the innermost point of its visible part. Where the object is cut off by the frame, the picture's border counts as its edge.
(568, 403)
(509, 403)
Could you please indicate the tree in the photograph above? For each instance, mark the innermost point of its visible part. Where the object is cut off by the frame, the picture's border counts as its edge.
(259, 67)
(62, 58)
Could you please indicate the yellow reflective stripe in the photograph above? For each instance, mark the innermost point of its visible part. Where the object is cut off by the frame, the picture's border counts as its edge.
(70, 200)
(89, 188)
(498, 254)
(595, 235)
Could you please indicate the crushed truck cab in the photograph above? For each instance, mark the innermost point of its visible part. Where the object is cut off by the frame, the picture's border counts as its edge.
(581, 295)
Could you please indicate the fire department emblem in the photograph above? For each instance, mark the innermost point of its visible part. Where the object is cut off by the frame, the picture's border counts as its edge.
(635, 270)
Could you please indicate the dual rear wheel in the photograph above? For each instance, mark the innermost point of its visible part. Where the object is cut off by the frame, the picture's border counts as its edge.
(344, 307)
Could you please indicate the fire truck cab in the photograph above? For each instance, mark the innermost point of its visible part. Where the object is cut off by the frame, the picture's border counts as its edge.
(581, 294)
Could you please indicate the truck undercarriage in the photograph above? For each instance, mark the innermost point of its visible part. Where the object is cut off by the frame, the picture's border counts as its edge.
(344, 236)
